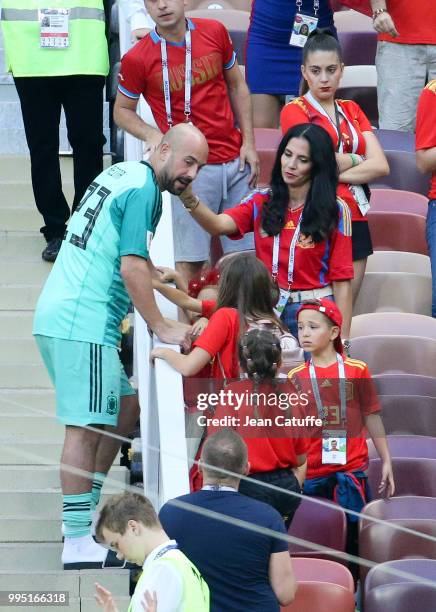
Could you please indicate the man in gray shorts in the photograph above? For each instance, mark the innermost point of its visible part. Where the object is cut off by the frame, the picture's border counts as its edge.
(186, 70)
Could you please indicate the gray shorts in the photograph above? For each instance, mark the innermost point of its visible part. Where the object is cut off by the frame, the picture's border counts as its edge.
(220, 187)
(402, 72)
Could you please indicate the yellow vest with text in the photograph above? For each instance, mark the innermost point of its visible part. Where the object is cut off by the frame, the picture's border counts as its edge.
(195, 590)
(87, 52)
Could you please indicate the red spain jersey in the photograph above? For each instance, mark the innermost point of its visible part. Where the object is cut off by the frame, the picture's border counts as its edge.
(264, 453)
(362, 400)
(212, 54)
(316, 265)
(221, 336)
(414, 21)
(301, 111)
(426, 126)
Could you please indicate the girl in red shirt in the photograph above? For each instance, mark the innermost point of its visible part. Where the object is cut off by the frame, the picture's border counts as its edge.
(244, 295)
(276, 455)
(359, 155)
(302, 232)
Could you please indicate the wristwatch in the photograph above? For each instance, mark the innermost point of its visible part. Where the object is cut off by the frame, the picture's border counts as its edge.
(347, 345)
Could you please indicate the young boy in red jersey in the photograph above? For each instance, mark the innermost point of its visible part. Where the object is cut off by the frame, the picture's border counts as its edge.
(342, 394)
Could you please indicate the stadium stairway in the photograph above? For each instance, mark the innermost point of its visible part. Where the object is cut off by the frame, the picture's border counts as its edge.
(30, 437)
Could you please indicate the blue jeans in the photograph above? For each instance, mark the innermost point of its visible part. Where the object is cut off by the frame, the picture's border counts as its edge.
(431, 241)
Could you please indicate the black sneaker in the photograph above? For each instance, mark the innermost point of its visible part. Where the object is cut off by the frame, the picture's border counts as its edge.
(52, 249)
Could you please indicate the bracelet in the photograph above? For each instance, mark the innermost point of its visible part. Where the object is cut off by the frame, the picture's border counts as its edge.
(378, 12)
(191, 209)
(354, 159)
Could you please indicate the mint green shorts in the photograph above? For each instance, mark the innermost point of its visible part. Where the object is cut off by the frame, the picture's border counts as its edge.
(89, 380)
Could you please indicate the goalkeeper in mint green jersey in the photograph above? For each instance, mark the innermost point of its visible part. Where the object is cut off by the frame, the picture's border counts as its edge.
(104, 264)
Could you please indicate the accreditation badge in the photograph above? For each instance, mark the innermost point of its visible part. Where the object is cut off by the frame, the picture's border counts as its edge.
(54, 28)
(303, 26)
(334, 446)
(283, 300)
(361, 199)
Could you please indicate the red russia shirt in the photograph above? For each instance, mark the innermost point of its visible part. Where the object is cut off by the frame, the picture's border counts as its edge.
(301, 111)
(264, 453)
(212, 53)
(316, 265)
(414, 21)
(426, 126)
(361, 400)
(221, 336)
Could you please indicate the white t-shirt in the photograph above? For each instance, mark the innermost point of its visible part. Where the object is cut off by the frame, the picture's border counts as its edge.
(137, 14)
(162, 578)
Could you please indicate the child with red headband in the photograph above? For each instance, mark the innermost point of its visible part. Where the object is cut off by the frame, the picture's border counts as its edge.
(345, 399)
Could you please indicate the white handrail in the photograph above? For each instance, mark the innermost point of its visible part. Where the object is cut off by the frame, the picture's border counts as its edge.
(160, 388)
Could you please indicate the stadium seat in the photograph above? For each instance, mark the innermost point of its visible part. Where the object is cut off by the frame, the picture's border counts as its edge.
(383, 542)
(267, 141)
(409, 414)
(395, 324)
(394, 140)
(398, 231)
(402, 598)
(320, 597)
(359, 83)
(380, 575)
(405, 385)
(398, 261)
(236, 22)
(398, 508)
(322, 570)
(396, 354)
(403, 173)
(413, 476)
(235, 5)
(352, 21)
(318, 524)
(408, 446)
(397, 200)
(394, 292)
(358, 48)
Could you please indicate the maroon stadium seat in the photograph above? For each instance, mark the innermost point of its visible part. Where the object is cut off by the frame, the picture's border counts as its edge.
(397, 200)
(394, 140)
(396, 354)
(408, 446)
(397, 231)
(322, 570)
(395, 324)
(319, 524)
(320, 596)
(387, 384)
(403, 173)
(358, 47)
(380, 575)
(412, 476)
(402, 598)
(409, 414)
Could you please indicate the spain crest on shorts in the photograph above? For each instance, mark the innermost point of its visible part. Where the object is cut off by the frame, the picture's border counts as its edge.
(112, 404)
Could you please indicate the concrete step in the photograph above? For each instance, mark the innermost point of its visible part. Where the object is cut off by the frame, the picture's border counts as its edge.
(17, 167)
(47, 476)
(89, 604)
(19, 351)
(19, 218)
(37, 452)
(40, 503)
(116, 580)
(27, 401)
(16, 324)
(17, 272)
(30, 529)
(23, 245)
(25, 427)
(21, 192)
(13, 139)
(19, 297)
(28, 375)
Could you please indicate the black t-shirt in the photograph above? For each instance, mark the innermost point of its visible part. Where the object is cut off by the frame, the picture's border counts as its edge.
(234, 561)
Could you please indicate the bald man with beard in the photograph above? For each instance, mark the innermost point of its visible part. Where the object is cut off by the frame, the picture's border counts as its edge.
(103, 264)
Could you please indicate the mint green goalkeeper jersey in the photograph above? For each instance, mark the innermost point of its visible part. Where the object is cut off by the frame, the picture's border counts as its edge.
(84, 297)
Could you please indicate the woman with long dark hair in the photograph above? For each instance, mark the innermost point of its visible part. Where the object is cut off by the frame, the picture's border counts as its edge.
(302, 232)
(359, 155)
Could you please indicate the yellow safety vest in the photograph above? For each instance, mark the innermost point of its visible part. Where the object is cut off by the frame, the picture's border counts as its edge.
(195, 589)
(87, 52)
